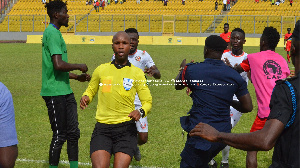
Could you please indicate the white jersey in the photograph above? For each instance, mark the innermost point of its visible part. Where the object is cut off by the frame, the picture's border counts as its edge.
(142, 60)
(236, 59)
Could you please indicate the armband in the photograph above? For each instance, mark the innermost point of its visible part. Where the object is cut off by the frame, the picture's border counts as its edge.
(142, 112)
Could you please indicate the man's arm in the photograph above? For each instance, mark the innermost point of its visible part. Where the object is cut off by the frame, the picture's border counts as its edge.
(178, 82)
(82, 78)
(61, 65)
(244, 105)
(264, 139)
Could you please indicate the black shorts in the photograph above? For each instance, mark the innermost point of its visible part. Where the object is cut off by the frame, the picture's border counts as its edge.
(114, 138)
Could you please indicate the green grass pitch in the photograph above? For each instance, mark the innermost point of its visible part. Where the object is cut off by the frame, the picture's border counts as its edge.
(21, 72)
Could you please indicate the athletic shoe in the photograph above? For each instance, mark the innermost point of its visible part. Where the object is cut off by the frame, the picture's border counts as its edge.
(215, 165)
(137, 154)
(224, 165)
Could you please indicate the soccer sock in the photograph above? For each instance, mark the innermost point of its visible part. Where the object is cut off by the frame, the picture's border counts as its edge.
(225, 154)
(212, 162)
(288, 57)
(53, 166)
(73, 164)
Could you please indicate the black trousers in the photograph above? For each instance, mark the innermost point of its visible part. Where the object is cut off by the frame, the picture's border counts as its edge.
(62, 111)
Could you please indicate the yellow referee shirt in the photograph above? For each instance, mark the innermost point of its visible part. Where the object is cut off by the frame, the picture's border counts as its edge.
(117, 88)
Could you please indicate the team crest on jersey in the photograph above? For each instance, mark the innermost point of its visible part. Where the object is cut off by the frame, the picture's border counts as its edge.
(272, 70)
(138, 58)
(127, 83)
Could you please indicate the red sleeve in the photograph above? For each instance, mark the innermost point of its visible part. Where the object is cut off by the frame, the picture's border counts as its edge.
(245, 65)
(286, 36)
(183, 75)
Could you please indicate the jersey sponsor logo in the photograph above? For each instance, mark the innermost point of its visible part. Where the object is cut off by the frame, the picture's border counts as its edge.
(143, 125)
(137, 58)
(127, 83)
(272, 70)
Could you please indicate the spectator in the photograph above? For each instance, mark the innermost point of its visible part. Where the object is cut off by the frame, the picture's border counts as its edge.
(87, 2)
(257, 1)
(44, 1)
(183, 2)
(121, 1)
(108, 2)
(116, 1)
(224, 5)
(226, 36)
(165, 2)
(287, 43)
(97, 5)
(291, 2)
(228, 4)
(138, 1)
(103, 4)
(216, 5)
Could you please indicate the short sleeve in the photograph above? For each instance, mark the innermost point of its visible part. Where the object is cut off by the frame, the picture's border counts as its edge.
(242, 89)
(245, 65)
(281, 104)
(149, 62)
(54, 44)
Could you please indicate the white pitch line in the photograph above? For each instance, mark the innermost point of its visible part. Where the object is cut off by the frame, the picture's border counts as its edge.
(79, 163)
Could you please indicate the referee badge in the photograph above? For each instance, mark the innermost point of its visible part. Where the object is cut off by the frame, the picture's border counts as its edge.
(127, 83)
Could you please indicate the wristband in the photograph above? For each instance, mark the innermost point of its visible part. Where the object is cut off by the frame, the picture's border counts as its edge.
(142, 112)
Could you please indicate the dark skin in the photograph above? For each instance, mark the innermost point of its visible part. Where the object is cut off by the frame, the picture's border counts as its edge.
(263, 139)
(226, 29)
(134, 42)
(244, 104)
(121, 48)
(101, 158)
(8, 156)
(61, 19)
(152, 71)
(263, 47)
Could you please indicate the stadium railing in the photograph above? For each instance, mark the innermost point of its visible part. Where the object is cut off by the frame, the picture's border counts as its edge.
(151, 23)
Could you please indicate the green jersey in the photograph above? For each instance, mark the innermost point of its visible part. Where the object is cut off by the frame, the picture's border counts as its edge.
(54, 82)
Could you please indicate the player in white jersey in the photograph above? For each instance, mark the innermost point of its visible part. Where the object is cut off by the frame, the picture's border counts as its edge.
(143, 60)
(235, 56)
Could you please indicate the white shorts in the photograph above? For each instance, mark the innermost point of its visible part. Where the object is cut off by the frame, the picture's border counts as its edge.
(142, 124)
(235, 116)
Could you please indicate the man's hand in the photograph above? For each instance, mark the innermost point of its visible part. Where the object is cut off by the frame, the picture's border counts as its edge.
(188, 91)
(205, 131)
(150, 71)
(84, 102)
(135, 114)
(183, 63)
(284, 48)
(227, 62)
(84, 77)
(83, 68)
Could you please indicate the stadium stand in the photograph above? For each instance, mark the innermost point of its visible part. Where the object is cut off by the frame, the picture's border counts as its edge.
(253, 17)
(151, 16)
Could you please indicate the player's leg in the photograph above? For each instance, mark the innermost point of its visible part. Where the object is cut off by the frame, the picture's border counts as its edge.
(124, 144)
(142, 128)
(8, 156)
(251, 159)
(122, 160)
(101, 145)
(73, 132)
(100, 159)
(57, 116)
